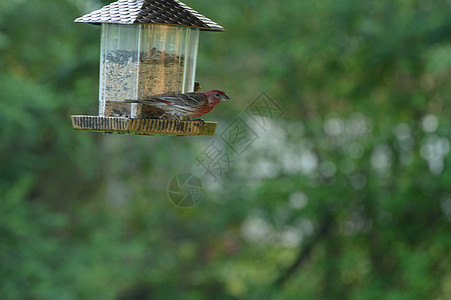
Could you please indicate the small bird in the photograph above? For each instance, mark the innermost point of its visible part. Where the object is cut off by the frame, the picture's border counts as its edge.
(197, 87)
(190, 105)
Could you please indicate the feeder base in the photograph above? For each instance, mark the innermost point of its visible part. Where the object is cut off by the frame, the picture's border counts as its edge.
(143, 126)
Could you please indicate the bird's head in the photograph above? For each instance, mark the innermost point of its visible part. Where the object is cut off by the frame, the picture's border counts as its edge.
(216, 96)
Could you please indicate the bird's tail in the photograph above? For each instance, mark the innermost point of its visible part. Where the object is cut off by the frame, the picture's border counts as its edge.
(136, 101)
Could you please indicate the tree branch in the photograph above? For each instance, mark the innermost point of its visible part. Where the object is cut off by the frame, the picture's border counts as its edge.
(303, 255)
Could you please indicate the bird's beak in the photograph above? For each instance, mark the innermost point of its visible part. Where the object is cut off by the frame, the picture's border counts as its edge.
(225, 98)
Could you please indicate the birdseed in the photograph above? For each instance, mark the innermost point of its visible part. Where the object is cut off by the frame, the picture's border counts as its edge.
(129, 76)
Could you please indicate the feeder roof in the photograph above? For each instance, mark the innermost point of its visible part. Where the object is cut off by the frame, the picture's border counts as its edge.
(171, 12)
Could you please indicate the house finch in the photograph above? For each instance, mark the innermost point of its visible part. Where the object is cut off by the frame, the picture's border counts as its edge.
(191, 105)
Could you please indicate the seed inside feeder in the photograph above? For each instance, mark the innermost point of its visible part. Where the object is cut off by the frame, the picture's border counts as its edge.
(133, 75)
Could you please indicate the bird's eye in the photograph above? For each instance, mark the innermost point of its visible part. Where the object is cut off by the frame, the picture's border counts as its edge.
(218, 94)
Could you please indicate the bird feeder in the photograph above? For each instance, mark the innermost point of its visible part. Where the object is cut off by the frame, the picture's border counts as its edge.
(148, 47)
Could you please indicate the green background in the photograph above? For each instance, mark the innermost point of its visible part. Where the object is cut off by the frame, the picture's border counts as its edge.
(345, 196)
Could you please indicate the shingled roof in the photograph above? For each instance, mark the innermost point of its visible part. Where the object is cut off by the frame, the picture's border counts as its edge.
(171, 12)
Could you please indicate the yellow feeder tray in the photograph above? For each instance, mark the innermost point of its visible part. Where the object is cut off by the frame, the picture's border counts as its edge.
(143, 126)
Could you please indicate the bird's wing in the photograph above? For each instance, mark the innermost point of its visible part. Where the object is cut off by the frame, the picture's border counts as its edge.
(178, 102)
(187, 99)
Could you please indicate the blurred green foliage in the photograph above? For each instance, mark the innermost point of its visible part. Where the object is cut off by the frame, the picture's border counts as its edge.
(347, 196)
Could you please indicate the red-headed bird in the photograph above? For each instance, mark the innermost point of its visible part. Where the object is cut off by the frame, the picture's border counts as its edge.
(191, 105)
